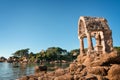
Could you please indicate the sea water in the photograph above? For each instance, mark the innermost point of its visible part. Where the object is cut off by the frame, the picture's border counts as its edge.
(11, 71)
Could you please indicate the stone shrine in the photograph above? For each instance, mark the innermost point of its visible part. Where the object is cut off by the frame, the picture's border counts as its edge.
(95, 27)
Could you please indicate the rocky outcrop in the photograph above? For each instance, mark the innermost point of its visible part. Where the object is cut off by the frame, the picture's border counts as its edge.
(114, 72)
(40, 68)
(105, 67)
(12, 59)
(3, 59)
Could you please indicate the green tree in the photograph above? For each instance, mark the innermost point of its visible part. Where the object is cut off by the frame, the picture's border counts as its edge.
(31, 54)
(32, 57)
(41, 55)
(117, 48)
(54, 53)
(74, 53)
(22, 53)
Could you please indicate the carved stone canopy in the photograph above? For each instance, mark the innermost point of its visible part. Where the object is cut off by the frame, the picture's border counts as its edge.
(97, 28)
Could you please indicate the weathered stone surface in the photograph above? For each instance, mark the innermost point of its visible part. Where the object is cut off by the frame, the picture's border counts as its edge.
(114, 72)
(107, 59)
(84, 72)
(97, 28)
(33, 79)
(102, 77)
(91, 77)
(81, 58)
(40, 68)
(64, 77)
(24, 78)
(40, 78)
(88, 60)
(51, 74)
(80, 68)
(59, 72)
(73, 67)
(98, 70)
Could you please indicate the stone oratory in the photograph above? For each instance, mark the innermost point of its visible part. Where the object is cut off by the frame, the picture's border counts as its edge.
(95, 27)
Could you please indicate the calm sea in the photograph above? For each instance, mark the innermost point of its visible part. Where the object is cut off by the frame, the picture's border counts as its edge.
(8, 71)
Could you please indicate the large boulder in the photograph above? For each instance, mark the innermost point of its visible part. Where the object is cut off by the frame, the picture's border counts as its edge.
(81, 58)
(91, 77)
(59, 72)
(106, 59)
(64, 77)
(114, 72)
(98, 70)
(101, 77)
(73, 67)
(88, 60)
(24, 78)
(110, 58)
(80, 68)
(40, 68)
(32, 77)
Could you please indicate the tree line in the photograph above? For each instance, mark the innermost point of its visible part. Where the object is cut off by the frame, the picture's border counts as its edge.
(51, 54)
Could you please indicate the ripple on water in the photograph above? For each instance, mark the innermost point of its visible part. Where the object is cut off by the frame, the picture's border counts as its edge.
(9, 72)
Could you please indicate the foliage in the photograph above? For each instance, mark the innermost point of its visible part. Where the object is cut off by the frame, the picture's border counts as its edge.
(51, 54)
(74, 53)
(117, 48)
(54, 53)
(22, 53)
(32, 57)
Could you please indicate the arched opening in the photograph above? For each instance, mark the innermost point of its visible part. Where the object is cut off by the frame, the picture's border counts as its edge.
(85, 45)
(94, 42)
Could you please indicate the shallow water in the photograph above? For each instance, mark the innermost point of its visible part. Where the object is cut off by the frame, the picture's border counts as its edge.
(9, 72)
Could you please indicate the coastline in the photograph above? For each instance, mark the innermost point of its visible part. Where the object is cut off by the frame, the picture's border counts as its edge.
(89, 69)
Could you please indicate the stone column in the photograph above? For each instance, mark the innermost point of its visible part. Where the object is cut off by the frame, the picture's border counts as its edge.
(99, 47)
(89, 40)
(81, 46)
(103, 42)
(98, 40)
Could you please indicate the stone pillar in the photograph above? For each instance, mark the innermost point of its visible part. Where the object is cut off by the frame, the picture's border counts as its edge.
(98, 40)
(89, 40)
(103, 42)
(99, 47)
(81, 46)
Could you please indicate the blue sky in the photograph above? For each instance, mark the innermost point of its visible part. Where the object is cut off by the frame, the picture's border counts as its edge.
(39, 24)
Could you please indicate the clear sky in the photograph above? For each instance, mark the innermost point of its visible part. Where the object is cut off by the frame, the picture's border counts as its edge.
(39, 24)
